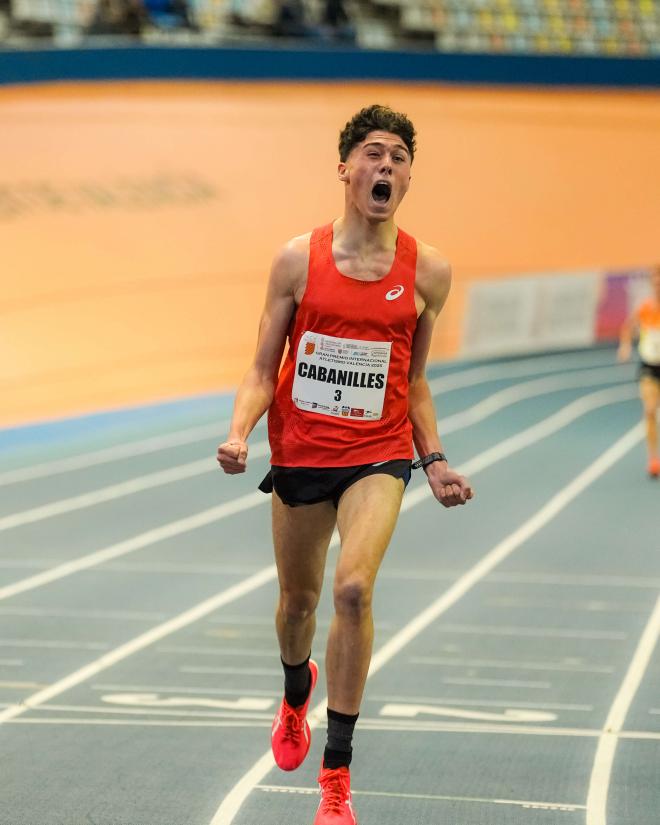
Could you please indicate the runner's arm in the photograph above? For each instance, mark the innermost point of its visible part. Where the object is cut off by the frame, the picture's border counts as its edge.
(256, 391)
(629, 331)
(433, 282)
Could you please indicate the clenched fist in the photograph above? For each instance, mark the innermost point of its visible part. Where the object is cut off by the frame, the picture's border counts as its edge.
(232, 457)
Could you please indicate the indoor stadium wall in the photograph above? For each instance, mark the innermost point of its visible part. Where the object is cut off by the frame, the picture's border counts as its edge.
(138, 218)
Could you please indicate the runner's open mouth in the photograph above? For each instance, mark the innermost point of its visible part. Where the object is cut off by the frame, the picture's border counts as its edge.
(381, 192)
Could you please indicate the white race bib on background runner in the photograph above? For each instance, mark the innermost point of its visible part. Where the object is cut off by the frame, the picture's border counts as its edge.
(342, 377)
(649, 346)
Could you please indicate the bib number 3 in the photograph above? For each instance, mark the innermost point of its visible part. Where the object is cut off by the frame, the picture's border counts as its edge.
(341, 377)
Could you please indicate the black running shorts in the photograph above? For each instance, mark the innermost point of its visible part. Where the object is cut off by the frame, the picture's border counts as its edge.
(649, 371)
(310, 485)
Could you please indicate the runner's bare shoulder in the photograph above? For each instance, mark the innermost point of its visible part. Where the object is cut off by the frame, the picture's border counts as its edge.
(290, 265)
(433, 276)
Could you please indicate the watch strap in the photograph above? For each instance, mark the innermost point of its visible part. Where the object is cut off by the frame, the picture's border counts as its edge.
(428, 459)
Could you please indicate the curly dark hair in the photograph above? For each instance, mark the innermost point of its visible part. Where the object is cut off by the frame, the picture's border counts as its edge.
(374, 118)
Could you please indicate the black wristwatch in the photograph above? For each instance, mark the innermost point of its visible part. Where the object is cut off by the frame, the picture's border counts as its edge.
(428, 459)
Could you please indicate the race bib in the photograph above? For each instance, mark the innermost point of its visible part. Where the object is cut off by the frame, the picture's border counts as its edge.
(649, 346)
(341, 377)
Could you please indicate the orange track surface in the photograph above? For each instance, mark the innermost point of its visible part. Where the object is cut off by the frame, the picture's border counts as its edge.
(137, 221)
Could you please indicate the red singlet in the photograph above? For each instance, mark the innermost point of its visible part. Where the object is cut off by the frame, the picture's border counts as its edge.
(342, 392)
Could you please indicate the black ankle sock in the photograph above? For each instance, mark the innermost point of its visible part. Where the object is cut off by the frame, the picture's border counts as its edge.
(297, 682)
(338, 751)
(337, 759)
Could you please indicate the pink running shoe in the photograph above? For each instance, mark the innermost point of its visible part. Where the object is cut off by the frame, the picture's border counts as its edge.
(336, 807)
(654, 467)
(290, 734)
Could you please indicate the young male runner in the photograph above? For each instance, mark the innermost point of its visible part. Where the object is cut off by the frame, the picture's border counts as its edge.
(358, 299)
(645, 323)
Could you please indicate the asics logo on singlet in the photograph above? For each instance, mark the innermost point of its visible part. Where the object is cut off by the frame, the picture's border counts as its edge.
(393, 294)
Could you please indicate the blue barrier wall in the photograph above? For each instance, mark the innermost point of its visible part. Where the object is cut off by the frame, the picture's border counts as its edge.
(135, 62)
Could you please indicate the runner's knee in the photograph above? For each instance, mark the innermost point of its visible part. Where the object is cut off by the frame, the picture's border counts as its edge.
(353, 597)
(297, 605)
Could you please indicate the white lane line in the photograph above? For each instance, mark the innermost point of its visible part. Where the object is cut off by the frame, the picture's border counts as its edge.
(128, 449)
(637, 734)
(134, 701)
(487, 728)
(233, 802)
(122, 688)
(548, 426)
(529, 389)
(265, 724)
(109, 493)
(167, 531)
(102, 615)
(147, 567)
(276, 694)
(140, 642)
(257, 621)
(418, 574)
(259, 715)
(518, 803)
(542, 632)
(145, 723)
(590, 606)
(114, 491)
(633, 582)
(464, 378)
(269, 573)
(542, 579)
(459, 421)
(53, 644)
(234, 671)
(189, 650)
(255, 720)
(524, 367)
(504, 548)
(517, 715)
(495, 703)
(575, 667)
(177, 569)
(518, 683)
(226, 633)
(497, 453)
(602, 770)
(266, 720)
